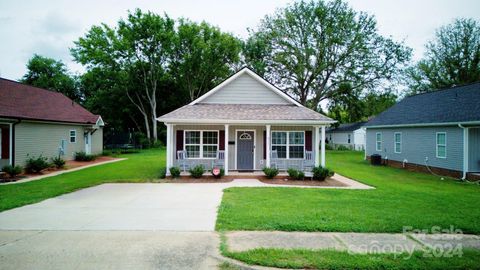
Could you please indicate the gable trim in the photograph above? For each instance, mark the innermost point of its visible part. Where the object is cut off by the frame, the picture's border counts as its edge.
(254, 76)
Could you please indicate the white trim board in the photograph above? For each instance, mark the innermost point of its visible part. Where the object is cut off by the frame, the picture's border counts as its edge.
(254, 76)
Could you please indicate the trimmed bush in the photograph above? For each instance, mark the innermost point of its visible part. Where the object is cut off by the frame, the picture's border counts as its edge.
(175, 172)
(12, 171)
(82, 156)
(320, 173)
(163, 173)
(270, 172)
(296, 174)
(342, 147)
(36, 164)
(58, 162)
(292, 173)
(197, 171)
(329, 147)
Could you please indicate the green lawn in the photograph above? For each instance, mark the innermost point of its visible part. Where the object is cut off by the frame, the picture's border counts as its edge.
(140, 167)
(330, 259)
(401, 198)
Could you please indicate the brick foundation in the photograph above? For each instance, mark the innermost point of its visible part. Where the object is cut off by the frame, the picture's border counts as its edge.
(422, 168)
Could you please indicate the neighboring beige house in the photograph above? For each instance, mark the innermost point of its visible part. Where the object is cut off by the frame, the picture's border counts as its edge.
(35, 121)
(244, 124)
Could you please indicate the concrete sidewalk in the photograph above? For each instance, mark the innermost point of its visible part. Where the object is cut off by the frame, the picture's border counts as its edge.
(351, 242)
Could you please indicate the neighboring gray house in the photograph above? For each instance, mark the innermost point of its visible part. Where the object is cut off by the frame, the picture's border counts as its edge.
(350, 135)
(440, 129)
(244, 124)
(35, 121)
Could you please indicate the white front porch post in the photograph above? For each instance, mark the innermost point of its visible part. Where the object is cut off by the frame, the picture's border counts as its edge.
(169, 147)
(317, 147)
(10, 146)
(267, 147)
(323, 146)
(226, 150)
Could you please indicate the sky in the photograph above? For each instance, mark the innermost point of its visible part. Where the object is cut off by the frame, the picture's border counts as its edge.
(49, 27)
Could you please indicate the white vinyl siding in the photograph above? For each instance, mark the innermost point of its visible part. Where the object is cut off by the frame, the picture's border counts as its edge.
(201, 143)
(397, 142)
(441, 149)
(378, 141)
(289, 144)
(245, 90)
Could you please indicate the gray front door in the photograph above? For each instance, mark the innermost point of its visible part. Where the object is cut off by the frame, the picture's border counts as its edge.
(245, 149)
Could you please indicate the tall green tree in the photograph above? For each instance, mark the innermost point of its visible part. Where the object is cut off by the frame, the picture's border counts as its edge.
(203, 56)
(451, 58)
(53, 75)
(310, 48)
(140, 50)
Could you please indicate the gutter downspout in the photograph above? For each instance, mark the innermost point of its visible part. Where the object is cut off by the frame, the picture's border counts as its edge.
(465, 151)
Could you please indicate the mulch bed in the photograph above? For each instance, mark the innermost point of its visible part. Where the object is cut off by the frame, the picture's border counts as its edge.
(326, 183)
(182, 180)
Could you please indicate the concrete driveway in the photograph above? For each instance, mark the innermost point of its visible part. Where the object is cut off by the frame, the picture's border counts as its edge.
(165, 207)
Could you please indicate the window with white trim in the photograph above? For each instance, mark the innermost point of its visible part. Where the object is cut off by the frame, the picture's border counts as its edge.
(441, 145)
(289, 144)
(201, 143)
(73, 136)
(378, 141)
(397, 142)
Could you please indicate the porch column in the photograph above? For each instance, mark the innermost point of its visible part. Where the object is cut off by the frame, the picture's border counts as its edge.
(226, 149)
(465, 152)
(267, 146)
(10, 146)
(317, 146)
(169, 147)
(323, 146)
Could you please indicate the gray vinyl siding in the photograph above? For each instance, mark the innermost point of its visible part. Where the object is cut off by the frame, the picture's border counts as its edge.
(245, 90)
(474, 150)
(34, 139)
(259, 130)
(418, 143)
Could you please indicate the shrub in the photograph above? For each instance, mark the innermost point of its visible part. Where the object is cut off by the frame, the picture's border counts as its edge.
(270, 172)
(35, 165)
(197, 171)
(58, 162)
(12, 171)
(296, 174)
(175, 172)
(82, 156)
(292, 173)
(320, 173)
(328, 147)
(163, 173)
(342, 148)
(222, 173)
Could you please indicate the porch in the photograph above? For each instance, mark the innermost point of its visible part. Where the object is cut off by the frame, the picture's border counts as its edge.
(245, 148)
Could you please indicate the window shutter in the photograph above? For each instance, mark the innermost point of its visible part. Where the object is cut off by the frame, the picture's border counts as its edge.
(179, 141)
(5, 143)
(308, 140)
(221, 137)
(264, 144)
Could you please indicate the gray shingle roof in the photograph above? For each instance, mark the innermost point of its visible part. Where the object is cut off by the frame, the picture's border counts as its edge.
(347, 127)
(453, 105)
(243, 112)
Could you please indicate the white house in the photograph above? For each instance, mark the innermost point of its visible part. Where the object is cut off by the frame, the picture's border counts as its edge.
(244, 124)
(351, 135)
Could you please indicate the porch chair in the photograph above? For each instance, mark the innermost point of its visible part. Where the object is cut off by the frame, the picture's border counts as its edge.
(220, 159)
(308, 162)
(182, 160)
(275, 162)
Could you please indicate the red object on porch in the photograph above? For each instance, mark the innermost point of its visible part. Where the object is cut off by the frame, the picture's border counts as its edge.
(308, 140)
(179, 140)
(221, 143)
(5, 143)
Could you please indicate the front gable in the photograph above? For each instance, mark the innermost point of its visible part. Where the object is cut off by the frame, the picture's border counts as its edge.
(245, 87)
